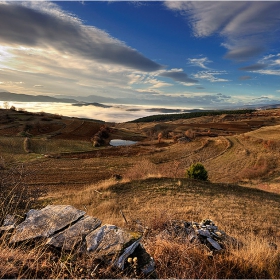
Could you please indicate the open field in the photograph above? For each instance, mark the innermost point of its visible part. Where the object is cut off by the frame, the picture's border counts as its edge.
(240, 153)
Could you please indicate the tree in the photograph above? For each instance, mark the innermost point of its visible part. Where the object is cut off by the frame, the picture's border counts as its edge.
(197, 171)
(6, 105)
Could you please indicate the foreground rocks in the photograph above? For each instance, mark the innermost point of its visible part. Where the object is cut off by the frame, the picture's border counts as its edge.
(69, 229)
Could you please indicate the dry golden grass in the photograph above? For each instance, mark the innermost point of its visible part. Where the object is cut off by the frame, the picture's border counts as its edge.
(249, 215)
(153, 192)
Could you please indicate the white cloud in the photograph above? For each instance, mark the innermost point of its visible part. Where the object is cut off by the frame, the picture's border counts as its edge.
(269, 72)
(200, 62)
(247, 27)
(210, 76)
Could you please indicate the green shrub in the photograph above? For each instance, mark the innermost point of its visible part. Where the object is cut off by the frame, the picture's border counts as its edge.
(197, 171)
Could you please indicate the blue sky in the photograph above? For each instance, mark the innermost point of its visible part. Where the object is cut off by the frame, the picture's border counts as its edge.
(176, 54)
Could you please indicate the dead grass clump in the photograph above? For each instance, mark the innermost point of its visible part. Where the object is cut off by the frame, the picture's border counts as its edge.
(27, 145)
(143, 169)
(271, 145)
(15, 195)
(190, 134)
(180, 259)
(262, 167)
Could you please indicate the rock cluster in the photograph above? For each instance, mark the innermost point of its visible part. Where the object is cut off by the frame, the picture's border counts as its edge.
(206, 233)
(68, 228)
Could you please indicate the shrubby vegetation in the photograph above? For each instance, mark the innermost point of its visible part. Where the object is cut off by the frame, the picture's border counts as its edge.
(197, 171)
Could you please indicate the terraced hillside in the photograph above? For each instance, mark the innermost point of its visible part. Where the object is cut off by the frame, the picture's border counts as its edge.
(250, 156)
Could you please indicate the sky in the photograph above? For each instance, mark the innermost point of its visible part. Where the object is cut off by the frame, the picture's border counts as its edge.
(167, 53)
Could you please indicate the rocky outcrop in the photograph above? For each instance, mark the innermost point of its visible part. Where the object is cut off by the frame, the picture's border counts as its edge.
(75, 234)
(46, 222)
(68, 228)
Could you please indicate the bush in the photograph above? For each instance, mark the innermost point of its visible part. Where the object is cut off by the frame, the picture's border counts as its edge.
(197, 171)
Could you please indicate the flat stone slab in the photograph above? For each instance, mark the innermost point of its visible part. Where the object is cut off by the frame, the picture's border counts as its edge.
(109, 240)
(45, 222)
(75, 234)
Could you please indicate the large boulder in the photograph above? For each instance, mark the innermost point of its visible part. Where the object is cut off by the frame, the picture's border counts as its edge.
(46, 222)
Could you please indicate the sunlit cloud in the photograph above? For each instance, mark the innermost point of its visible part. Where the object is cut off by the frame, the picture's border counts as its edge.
(45, 25)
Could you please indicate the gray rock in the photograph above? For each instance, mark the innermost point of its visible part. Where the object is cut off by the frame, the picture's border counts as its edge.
(214, 244)
(9, 223)
(109, 240)
(10, 220)
(75, 234)
(204, 233)
(149, 268)
(127, 252)
(45, 222)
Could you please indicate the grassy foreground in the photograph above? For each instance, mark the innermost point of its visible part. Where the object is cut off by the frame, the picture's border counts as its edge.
(249, 215)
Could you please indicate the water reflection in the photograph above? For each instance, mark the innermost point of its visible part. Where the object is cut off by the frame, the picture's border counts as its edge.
(120, 142)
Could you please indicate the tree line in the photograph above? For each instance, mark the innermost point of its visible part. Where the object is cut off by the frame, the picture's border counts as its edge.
(173, 117)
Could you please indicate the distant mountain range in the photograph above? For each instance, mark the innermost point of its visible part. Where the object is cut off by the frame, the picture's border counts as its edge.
(92, 100)
(8, 96)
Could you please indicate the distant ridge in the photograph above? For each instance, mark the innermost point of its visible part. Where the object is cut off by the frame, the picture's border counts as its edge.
(8, 96)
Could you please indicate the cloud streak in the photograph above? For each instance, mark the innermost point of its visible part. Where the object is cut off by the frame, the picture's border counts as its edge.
(210, 76)
(178, 75)
(27, 26)
(254, 67)
(247, 27)
(268, 65)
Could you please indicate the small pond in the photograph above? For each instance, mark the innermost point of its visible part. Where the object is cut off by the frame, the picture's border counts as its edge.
(120, 142)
